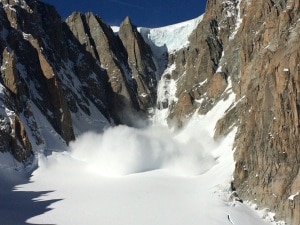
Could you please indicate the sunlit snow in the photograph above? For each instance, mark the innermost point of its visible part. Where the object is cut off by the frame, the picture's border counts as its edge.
(130, 176)
(238, 23)
(174, 37)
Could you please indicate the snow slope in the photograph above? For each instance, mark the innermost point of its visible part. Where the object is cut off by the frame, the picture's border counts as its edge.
(168, 39)
(129, 176)
(142, 176)
(174, 37)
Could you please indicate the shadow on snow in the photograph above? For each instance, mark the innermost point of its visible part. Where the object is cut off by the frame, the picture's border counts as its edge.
(16, 207)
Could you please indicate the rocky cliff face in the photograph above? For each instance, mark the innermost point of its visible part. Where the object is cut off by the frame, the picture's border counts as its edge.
(251, 47)
(267, 154)
(59, 79)
(126, 58)
(66, 78)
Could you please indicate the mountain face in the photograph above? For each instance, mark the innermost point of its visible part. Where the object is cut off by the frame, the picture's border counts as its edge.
(57, 77)
(60, 79)
(126, 58)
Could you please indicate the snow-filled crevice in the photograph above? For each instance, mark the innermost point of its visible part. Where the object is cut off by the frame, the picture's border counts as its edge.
(166, 96)
(239, 20)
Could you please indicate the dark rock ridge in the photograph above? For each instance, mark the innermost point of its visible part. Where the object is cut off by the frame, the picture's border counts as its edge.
(126, 58)
(62, 78)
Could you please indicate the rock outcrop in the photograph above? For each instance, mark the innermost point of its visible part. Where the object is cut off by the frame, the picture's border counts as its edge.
(141, 64)
(200, 74)
(67, 77)
(267, 148)
(99, 39)
(126, 58)
(253, 48)
(42, 64)
(59, 79)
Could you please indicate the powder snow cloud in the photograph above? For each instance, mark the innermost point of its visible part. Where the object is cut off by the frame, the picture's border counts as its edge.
(123, 150)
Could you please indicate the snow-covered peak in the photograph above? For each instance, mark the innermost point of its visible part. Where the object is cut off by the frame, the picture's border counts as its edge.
(173, 37)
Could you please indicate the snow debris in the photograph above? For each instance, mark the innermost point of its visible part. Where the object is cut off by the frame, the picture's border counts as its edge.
(166, 95)
(293, 196)
(265, 214)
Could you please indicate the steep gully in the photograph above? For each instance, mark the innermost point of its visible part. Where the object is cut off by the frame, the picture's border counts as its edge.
(91, 77)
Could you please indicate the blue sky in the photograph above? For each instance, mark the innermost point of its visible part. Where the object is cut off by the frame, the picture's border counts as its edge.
(147, 13)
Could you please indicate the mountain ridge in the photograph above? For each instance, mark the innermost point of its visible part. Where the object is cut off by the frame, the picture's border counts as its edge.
(60, 79)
